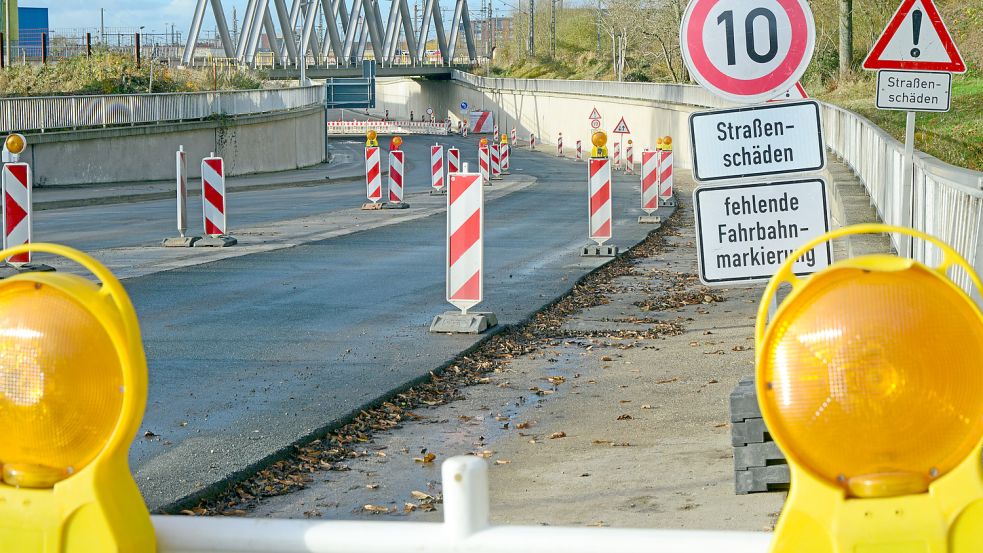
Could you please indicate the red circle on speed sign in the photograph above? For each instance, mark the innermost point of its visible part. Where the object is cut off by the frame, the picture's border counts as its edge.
(747, 51)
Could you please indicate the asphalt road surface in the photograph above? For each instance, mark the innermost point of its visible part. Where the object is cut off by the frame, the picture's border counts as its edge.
(247, 355)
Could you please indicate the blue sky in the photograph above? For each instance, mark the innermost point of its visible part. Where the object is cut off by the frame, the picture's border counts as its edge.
(156, 15)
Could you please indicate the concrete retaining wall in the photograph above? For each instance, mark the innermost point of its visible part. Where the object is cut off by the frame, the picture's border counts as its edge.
(249, 144)
(545, 114)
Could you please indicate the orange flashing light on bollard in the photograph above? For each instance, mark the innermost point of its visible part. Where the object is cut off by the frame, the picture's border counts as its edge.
(599, 139)
(71, 399)
(395, 143)
(15, 143)
(483, 142)
(371, 139)
(868, 380)
(505, 139)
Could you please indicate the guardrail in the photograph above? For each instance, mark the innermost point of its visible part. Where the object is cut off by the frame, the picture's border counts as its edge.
(948, 200)
(40, 114)
(466, 527)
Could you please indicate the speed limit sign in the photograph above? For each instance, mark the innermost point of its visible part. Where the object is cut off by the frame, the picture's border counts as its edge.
(747, 51)
(595, 123)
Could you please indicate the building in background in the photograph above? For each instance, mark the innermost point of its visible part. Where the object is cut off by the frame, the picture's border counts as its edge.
(489, 32)
(33, 31)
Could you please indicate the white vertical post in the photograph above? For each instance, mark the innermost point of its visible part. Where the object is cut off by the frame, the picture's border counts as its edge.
(182, 191)
(907, 183)
(465, 480)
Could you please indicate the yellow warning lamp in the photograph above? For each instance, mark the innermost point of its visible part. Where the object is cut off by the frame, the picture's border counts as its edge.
(659, 144)
(73, 386)
(599, 139)
(505, 139)
(15, 143)
(667, 143)
(396, 142)
(869, 380)
(483, 142)
(371, 139)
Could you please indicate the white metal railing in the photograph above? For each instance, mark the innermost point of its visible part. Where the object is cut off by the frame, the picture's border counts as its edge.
(73, 112)
(438, 128)
(466, 527)
(948, 200)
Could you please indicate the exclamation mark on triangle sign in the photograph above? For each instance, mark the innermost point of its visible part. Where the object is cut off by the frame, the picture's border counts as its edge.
(916, 29)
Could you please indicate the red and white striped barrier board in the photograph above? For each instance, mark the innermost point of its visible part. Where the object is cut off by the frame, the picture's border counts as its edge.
(629, 159)
(515, 137)
(373, 174)
(213, 196)
(506, 164)
(617, 154)
(437, 167)
(484, 166)
(559, 145)
(650, 181)
(439, 128)
(482, 122)
(396, 158)
(599, 206)
(580, 151)
(453, 160)
(465, 248)
(665, 179)
(17, 209)
(496, 161)
(532, 142)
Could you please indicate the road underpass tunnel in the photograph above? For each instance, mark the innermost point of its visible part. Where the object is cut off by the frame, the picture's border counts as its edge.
(869, 379)
(73, 388)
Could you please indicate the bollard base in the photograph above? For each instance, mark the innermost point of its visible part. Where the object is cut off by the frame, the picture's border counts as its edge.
(8, 270)
(438, 192)
(395, 205)
(371, 206)
(599, 251)
(463, 323)
(180, 241)
(671, 202)
(650, 220)
(220, 241)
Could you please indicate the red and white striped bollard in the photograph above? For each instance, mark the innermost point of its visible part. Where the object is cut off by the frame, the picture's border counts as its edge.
(453, 160)
(437, 169)
(17, 207)
(213, 204)
(515, 137)
(484, 165)
(580, 151)
(617, 155)
(650, 185)
(532, 141)
(496, 161)
(599, 205)
(666, 197)
(506, 155)
(559, 145)
(629, 158)
(397, 159)
(373, 174)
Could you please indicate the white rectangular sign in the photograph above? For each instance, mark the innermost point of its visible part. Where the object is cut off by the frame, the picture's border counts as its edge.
(770, 139)
(746, 231)
(914, 90)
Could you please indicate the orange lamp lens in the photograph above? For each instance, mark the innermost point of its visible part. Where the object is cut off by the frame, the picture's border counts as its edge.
(15, 144)
(371, 135)
(872, 378)
(599, 139)
(61, 385)
(667, 141)
(484, 141)
(397, 142)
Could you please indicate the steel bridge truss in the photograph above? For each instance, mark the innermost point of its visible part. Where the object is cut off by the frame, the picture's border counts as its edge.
(348, 28)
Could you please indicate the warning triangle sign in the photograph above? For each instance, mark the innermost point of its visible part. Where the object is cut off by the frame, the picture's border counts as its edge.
(916, 39)
(595, 114)
(794, 93)
(622, 127)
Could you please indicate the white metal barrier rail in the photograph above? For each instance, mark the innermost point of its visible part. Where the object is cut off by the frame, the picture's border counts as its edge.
(438, 128)
(74, 112)
(466, 527)
(948, 200)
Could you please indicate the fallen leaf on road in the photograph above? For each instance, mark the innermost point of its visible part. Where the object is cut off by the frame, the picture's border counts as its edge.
(667, 381)
(372, 486)
(625, 417)
(502, 461)
(646, 406)
(721, 425)
(428, 458)
(556, 435)
(601, 442)
(423, 496)
(409, 507)
(714, 352)
(556, 380)
(524, 425)
(739, 348)
(375, 509)
(606, 358)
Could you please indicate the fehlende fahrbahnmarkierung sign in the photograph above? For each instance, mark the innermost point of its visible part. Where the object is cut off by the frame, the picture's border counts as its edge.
(746, 231)
(771, 139)
(914, 90)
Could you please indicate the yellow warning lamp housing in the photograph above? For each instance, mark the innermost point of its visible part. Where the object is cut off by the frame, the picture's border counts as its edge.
(15, 143)
(667, 144)
(371, 139)
(505, 139)
(599, 139)
(483, 142)
(73, 387)
(397, 142)
(869, 380)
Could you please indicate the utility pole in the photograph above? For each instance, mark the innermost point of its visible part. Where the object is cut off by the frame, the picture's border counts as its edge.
(235, 26)
(102, 25)
(531, 44)
(846, 37)
(553, 29)
(488, 28)
(7, 32)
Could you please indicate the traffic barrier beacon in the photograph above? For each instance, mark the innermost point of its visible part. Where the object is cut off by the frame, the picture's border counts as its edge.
(630, 158)
(74, 392)
(484, 162)
(494, 155)
(515, 137)
(182, 240)
(17, 189)
(373, 172)
(617, 155)
(213, 205)
(580, 151)
(883, 445)
(396, 172)
(506, 155)
(559, 145)
(599, 210)
(465, 257)
(437, 170)
(666, 197)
